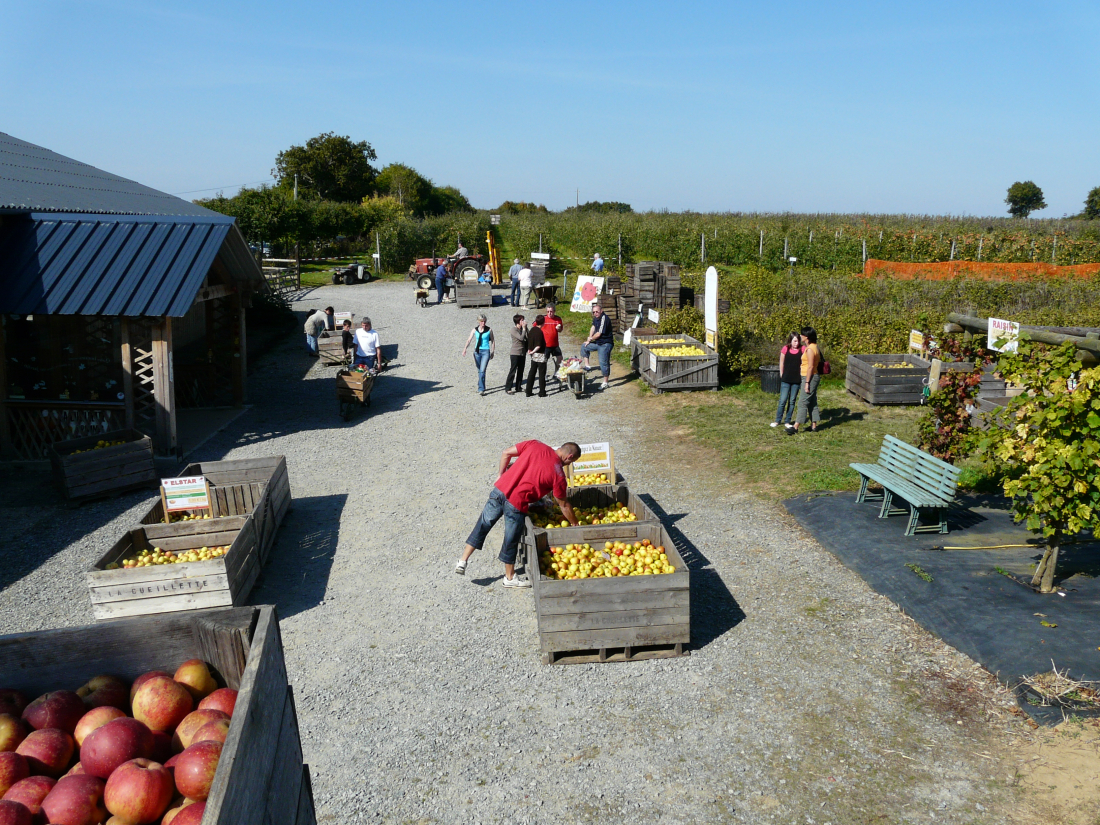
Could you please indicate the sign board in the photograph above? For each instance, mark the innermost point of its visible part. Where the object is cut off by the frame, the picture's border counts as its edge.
(184, 493)
(494, 220)
(653, 362)
(627, 336)
(916, 340)
(339, 318)
(654, 316)
(540, 256)
(710, 302)
(594, 458)
(1002, 335)
(712, 339)
(585, 293)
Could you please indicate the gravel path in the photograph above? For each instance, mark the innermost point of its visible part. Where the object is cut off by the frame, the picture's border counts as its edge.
(421, 697)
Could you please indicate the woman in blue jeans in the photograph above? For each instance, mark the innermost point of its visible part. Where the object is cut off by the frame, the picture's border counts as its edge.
(790, 364)
(601, 339)
(485, 346)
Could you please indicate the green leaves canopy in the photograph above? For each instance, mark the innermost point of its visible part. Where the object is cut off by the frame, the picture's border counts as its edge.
(1024, 198)
(329, 167)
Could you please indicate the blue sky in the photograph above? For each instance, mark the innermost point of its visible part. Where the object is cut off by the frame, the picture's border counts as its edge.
(932, 107)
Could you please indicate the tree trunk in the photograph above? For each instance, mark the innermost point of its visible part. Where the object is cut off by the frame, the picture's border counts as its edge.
(1044, 573)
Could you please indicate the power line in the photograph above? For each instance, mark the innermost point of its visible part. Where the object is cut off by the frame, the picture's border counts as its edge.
(231, 186)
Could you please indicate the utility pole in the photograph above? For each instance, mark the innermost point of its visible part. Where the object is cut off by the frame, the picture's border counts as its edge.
(297, 248)
(578, 198)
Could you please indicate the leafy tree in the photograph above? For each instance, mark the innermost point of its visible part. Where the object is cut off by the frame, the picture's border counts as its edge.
(329, 167)
(601, 206)
(407, 186)
(446, 199)
(1092, 205)
(1052, 448)
(1024, 198)
(516, 207)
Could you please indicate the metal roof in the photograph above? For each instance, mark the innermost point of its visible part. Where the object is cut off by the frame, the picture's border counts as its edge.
(34, 179)
(73, 264)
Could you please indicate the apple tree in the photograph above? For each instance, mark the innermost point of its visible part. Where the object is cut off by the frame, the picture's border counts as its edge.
(1051, 446)
(1024, 198)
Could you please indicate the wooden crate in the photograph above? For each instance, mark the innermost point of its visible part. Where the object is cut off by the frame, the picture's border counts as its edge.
(638, 337)
(887, 386)
(260, 776)
(330, 347)
(691, 372)
(352, 385)
(108, 470)
(595, 495)
(595, 619)
(166, 588)
(474, 295)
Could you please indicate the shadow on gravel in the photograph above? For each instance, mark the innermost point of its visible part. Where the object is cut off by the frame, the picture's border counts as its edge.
(296, 578)
(714, 610)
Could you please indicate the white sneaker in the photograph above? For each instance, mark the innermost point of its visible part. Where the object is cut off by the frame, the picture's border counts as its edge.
(516, 581)
(604, 385)
(774, 424)
(460, 568)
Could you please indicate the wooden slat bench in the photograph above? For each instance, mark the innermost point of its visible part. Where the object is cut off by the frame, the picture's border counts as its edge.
(924, 481)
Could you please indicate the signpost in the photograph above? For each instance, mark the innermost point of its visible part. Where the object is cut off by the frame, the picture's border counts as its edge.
(916, 340)
(494, 220)
(585, 292)
(594, 458)
(339, 318)
(710, 308)
(654, 316)
(1002, 335)
(186, 493)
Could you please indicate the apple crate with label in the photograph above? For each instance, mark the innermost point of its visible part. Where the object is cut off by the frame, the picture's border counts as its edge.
(596, 496)
(616, 619)
(639, 336)
(895, 379)
(665, 372)
(100, 464)
(260, 777)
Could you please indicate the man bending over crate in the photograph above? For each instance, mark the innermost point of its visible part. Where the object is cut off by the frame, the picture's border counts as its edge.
(538, 469)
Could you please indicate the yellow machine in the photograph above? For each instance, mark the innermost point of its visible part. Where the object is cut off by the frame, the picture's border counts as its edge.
(494, 257)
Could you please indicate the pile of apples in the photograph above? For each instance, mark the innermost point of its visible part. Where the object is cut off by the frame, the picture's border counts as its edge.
(899, 366)
(680, 352)
(114, 753)
(618, 558)
(149, 558)
(174, 517)
(587, 479)
(99, 445)
(615, 514)
(665, 341)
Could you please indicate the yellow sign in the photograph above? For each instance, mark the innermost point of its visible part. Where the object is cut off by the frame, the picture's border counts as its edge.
(916, 339)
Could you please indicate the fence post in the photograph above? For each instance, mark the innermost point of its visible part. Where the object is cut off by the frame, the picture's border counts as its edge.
(703, 247)
(980, 242)
(1054, 249)
(620, 251)
(865, 250)
(786, 246)
(761, 243)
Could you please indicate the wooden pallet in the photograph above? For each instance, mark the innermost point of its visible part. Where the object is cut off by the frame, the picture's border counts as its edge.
(260, 776)
(602, 614)
(887, 386)
(615, 654)
(108, 470)
(678, 373)
(474, 295)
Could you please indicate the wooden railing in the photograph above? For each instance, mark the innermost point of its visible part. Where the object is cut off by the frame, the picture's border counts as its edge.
(35, 425)
(282, 275)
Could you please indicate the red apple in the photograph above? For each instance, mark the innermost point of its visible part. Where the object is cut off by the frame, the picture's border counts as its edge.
(12, 701)
(215, 731)
(162, 746)
(61, 709)
(190, 814)
(76, 770)
(185, 733)
(116, 742)
(75, 800)
(12, 731)
(195, 769)
(14, 813)
(48, 751)
(30, 792)
(174, 807)
(145, 677)
(139, 791)
(102, 691)
(223, 699)
(195, 676)
(162, 703)
(13, 767)
(94, 720)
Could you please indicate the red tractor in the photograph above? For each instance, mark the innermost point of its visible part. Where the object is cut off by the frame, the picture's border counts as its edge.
(460, 270)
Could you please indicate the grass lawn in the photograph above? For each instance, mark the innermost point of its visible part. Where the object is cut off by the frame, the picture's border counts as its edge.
(319, 273)
(735, 423)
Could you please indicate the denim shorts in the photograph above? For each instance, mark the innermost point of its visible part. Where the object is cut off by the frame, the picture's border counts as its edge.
(495, 507)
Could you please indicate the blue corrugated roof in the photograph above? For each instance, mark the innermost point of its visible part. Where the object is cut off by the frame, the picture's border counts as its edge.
(111, 264)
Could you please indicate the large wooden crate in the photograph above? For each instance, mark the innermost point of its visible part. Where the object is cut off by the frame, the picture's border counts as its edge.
(269, 471)
(260, 776)
(669, 373)
(474, 295)
(143, 591)
(640, 335)
(887, 385)
(596, 495)
(352, 385)
(94, 472)
(330, 347)
(617, 619)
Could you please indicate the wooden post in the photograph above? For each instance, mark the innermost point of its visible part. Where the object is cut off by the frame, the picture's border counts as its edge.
(127, 373)
(164, 388)
(240, 384)
(5, 426)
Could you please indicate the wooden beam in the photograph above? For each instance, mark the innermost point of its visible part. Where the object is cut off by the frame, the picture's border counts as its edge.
(1040, 334)
(240, 374)
(127, 373)
(5, 426)
(164, 388)
(211, 292)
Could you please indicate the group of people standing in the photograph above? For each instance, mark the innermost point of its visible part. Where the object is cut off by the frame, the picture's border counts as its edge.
(361, 347)
(800, 369)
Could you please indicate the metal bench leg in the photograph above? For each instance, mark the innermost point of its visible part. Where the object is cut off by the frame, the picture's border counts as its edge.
(887, 498)
(943, 520)
(914, 518)
(862, 490)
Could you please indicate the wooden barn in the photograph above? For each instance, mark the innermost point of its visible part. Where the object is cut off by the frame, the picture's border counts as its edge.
(121, 305)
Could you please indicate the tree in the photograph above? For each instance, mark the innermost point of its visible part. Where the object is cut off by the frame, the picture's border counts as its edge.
(407, 186)
(1024, 198)
(1092, 205)
(329, 167)
(1051, 447)
(601, 206)
(446, 199)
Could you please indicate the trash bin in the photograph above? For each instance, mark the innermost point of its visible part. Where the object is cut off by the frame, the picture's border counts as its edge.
(769, 379)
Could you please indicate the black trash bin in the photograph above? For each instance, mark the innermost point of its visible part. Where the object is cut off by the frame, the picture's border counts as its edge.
(769, 379)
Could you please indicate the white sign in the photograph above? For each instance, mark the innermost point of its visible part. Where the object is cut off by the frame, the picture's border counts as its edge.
(585, 293)
(653, 362)
(1002, 335)
(338, 318)
(594, 458)
(185, 493)
(654, 316)
(494, 220)
(710, 301)
(540, 256)
(916, 339)
(627, 336)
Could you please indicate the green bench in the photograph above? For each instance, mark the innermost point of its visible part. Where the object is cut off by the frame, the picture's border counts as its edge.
(911, 474)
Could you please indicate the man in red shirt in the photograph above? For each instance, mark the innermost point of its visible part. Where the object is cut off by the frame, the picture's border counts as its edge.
(552, 324)
(538, 469)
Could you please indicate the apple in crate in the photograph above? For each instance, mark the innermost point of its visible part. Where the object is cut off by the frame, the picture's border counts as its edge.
(223, 699)
(195, 676)
(103, 691)
(60, 709)
(139, 791)
(48, 751)
(12, 701)
(13, 767)
(93, 720)
(191, 814)
(185, 733)
(76, 770)
(14, 813)
(12, 731)
(75, 800)
(162, 703)
(216, 731)
(114, 743)
(195, 769)
(143, 678)
(30, 792)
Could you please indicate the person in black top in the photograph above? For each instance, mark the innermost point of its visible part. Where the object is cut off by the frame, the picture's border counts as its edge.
(347, 339)
(536, 348)
(790, 363)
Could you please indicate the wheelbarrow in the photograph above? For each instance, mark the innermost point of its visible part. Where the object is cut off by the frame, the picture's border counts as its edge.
(353, 389)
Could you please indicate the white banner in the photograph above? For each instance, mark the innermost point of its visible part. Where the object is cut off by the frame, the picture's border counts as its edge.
(710, 301)
(585, 293)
